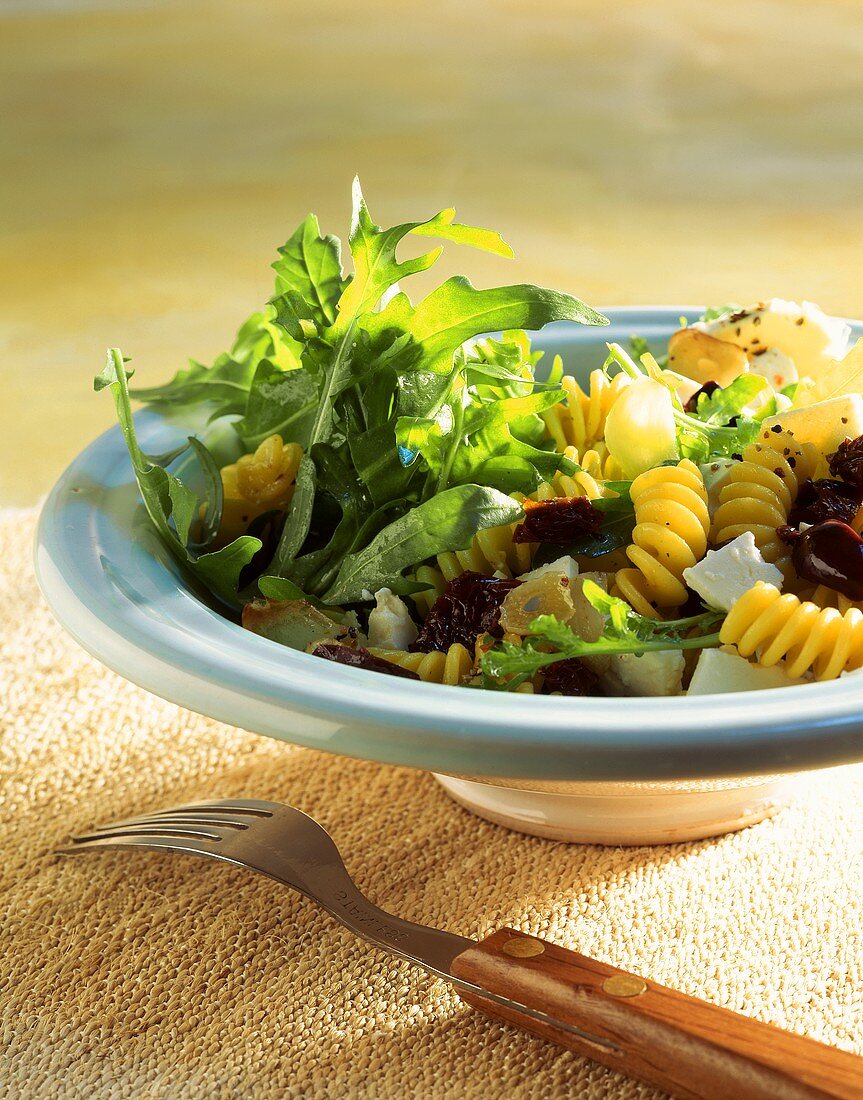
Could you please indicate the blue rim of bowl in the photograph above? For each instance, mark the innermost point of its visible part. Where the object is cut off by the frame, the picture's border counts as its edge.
(127, 605)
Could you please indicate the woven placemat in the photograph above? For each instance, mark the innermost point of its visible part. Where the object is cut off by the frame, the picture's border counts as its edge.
(168, 977)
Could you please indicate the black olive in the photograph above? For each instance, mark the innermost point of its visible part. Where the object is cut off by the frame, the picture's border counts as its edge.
(831, 553)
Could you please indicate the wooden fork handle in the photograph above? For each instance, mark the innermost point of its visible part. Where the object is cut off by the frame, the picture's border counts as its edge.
(688, 1047)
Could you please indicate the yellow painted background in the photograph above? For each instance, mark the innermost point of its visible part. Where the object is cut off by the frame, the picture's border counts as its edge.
(153, 155)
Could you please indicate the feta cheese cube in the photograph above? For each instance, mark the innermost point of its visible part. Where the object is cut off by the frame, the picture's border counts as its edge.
(659, 672)
(826, 423)
(774, 365)
(722, 670)
(390, 622)
(724, 575)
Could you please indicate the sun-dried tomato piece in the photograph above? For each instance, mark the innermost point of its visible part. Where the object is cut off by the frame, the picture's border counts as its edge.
(847, 462)
(569, 677)
(707, 389)
(469, 606)
(361, 658)
(831, 553)
(825, 499)
(559, 521)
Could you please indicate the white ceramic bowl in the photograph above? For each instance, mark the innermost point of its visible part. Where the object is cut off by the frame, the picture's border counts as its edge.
(621, 770)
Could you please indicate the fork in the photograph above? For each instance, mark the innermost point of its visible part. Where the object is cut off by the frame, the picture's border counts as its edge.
(688, 1047)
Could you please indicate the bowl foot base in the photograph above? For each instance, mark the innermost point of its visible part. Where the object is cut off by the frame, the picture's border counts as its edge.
(623, 813)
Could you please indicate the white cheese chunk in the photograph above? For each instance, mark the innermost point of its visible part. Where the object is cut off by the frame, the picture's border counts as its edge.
(801, 330)
(826, 423)
(721, 670)
(659, 672)
(724, 575)
(390, 623)
(774, 365)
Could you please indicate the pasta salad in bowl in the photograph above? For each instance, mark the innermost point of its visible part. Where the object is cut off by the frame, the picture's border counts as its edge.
(431, 534)
(409, 496)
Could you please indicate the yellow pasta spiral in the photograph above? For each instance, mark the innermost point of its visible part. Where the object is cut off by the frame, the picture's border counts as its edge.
(452, 667)
(583, 483)
(599, 463)
(492, 551)
(579, 420)
(432, 576)
(777, 627)
(758, 493)
(257, 483)
(670, 535)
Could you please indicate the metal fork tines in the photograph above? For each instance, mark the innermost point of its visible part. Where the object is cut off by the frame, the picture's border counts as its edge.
(287, 845)
(282, 842)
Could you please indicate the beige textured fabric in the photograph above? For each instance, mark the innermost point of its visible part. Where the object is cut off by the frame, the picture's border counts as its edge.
(165, 976)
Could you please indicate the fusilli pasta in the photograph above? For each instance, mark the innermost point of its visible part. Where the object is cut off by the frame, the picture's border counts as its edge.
(452, 667)
(583, 483)
(776, 627)
(257, 483)
(670, 534)
(579, 420)
(758, 493)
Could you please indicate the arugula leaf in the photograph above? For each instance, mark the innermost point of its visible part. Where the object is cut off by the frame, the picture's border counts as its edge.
(443, 227)
(457, 311)
(712, 313)
(447, 521)
(279, 588)
(215, 501)
(337, 484)
(508, 360)
(299, 518)
(721, 406)
(225, 385)
(294, 314)
(170, 504)
(490, 444)
(624, 631)
(476, 442)
(279, 402)
(410, 416)
(374, 255)
(310, 266)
